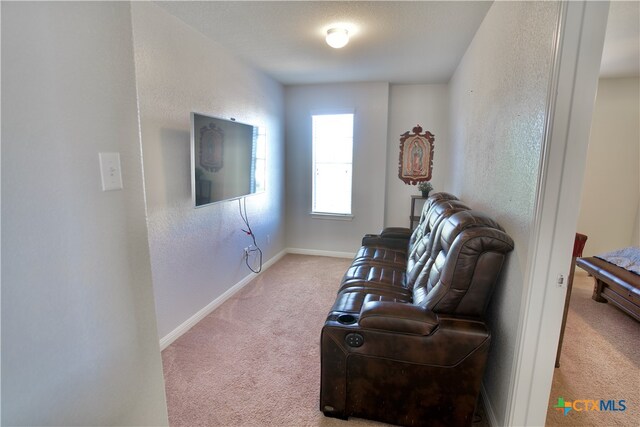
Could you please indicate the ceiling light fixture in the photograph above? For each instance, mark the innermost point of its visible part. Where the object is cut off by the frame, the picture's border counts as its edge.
(337, 37)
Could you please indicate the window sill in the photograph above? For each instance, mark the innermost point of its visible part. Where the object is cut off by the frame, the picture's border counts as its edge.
(338, 217)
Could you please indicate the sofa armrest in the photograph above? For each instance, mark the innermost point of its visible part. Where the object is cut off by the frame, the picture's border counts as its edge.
(391, 243)
(396, 233)
(397, 317)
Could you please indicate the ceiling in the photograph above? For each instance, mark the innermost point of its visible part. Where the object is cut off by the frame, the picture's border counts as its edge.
(393, 41)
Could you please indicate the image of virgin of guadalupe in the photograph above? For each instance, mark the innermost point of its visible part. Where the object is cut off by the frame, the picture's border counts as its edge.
(416, 156)
(417, 153)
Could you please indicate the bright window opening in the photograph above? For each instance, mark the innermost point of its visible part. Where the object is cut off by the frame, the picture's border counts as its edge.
(332, 163)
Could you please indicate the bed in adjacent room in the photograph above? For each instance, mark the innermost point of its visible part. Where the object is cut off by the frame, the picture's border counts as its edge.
(617, 277)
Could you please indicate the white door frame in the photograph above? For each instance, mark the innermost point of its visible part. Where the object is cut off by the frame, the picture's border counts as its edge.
(574, 80)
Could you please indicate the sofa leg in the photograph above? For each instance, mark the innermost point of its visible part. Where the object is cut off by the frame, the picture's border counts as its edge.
(329, 412)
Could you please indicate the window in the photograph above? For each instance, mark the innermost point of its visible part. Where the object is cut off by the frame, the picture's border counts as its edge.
(332, 139)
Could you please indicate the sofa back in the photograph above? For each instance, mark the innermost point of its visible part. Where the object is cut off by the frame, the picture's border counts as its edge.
(420, 252)
(419, 255)
(467, 253)
(421, 229)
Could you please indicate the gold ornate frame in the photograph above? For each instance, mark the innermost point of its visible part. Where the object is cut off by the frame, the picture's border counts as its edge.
(416, 156)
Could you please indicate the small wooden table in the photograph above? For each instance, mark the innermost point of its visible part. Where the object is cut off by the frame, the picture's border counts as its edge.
(413, 217)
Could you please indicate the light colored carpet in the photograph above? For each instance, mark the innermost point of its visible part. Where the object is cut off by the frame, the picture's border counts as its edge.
(600, 360)
(255, 361)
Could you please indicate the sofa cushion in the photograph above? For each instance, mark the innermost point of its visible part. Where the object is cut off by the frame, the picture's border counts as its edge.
(352, 301)
(382, 255)
(374, 276)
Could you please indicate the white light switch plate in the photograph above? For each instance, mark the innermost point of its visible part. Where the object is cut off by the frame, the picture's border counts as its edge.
(110, 171)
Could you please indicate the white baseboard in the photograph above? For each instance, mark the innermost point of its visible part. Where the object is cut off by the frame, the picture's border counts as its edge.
(488, 408)
(189, 323)
(316, 252)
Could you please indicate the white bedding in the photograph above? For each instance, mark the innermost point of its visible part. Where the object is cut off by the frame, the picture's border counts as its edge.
(627, 258)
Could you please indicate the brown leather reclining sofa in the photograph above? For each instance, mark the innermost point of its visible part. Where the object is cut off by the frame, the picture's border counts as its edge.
(405, 341)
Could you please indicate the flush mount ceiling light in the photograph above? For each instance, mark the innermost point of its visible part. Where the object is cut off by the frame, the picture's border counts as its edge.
(337, 37)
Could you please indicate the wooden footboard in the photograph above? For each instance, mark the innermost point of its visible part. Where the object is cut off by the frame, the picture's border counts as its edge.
(614, 285)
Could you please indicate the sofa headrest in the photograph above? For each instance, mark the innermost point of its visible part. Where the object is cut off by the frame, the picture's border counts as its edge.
(464, 220)
(441, 195)
(468, 253)
(432, 199)
(423, 227)
(444, 208)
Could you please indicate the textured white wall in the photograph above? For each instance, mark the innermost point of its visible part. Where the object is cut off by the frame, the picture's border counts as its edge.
(609, 207)
(79, 340)
(196, 254)
(409, 105)
(498, 107)
(370, 102)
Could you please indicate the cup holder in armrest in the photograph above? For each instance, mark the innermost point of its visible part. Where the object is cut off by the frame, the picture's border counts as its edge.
(347, 319)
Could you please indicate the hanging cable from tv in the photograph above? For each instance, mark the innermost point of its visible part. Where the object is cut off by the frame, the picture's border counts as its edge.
(254, 249)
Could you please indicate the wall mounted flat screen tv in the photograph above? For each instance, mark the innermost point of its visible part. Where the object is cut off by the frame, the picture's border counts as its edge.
(228, 159)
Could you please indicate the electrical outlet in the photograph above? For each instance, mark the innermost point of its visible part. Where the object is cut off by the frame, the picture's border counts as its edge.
(268, 239)
(245, 254)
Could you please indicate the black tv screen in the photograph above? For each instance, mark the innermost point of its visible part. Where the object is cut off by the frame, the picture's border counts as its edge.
(227, 159)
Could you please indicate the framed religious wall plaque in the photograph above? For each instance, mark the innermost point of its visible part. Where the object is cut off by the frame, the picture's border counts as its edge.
(416, 156)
